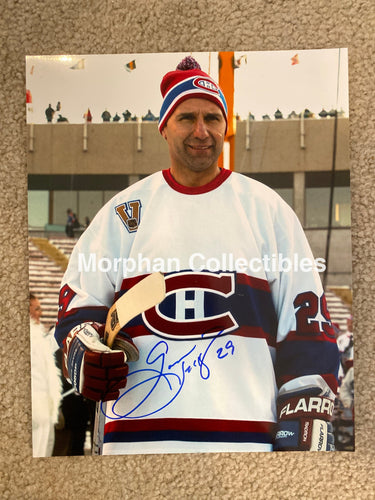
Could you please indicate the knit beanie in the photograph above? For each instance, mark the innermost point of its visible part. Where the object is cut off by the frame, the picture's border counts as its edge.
(186, 82)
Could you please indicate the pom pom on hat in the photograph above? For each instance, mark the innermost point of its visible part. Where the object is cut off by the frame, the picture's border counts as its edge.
(186, 82)
(188, 63)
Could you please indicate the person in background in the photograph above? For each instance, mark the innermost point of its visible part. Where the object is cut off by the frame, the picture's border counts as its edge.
(49, 113)
(71, 223)
(45, 384)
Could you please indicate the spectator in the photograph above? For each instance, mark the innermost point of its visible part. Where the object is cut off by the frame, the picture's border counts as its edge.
(106, 116)
(345, 344)
(126, 115)
(49, 113)
(347, 389)
(71, 223)
(45, 384)
(149, 117)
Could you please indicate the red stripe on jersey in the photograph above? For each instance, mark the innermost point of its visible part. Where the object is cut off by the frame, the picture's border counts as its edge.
(128, 283)
(215, 183)
(317, 337)
(193, 424)
(257, 283)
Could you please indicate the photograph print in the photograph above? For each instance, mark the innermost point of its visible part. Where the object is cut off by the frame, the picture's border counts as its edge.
(190, 252)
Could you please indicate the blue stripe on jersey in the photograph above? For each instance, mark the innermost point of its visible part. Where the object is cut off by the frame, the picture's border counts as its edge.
(194, 436)
(298, 358)
(77, 316)
(253, 307)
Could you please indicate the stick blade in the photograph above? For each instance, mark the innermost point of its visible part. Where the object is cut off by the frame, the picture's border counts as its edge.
(146, 294)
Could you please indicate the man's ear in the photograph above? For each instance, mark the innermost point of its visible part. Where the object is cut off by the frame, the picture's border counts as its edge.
(164, 133)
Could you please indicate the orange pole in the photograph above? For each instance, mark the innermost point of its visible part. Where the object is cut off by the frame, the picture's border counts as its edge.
(226, 83)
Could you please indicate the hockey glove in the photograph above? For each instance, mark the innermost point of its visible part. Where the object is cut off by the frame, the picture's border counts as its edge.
(304, 422)
(96, 371)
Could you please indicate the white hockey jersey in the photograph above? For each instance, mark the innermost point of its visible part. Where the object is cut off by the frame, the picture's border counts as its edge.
(244, 313)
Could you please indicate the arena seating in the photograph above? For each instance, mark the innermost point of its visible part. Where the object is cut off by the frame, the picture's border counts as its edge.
(45, 277)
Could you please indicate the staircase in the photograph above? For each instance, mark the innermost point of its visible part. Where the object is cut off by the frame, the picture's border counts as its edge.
(338, 310)
(45, 277)
(65, 245)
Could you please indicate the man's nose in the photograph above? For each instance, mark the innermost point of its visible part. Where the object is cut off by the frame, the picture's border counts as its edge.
(200, 128)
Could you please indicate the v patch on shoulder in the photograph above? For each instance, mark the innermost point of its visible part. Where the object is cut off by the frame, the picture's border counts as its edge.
(130, 214)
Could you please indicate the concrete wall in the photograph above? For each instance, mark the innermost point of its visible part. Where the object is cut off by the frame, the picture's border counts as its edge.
(112, 148)
(275, 145)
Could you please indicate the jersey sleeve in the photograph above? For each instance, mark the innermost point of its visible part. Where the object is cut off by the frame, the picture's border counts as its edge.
(306, 352)
(88, 287)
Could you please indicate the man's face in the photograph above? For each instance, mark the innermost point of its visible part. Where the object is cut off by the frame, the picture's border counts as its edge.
(35, 310)
(195, 134)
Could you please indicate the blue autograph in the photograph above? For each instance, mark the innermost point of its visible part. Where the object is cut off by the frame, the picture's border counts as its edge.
(168, 378)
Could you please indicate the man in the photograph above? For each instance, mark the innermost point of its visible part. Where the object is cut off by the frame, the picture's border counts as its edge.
(71, 223)
(35, 309)
(240, 355)
(45, 384)
(49, 113)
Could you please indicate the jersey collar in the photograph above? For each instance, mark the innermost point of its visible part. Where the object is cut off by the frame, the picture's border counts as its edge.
(215, 183)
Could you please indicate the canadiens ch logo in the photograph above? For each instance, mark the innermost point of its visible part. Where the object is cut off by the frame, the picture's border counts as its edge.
(187, 316)
(130, 214)
(205, 84)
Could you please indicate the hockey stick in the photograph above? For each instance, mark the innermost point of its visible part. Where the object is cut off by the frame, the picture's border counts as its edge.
(147, 293)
